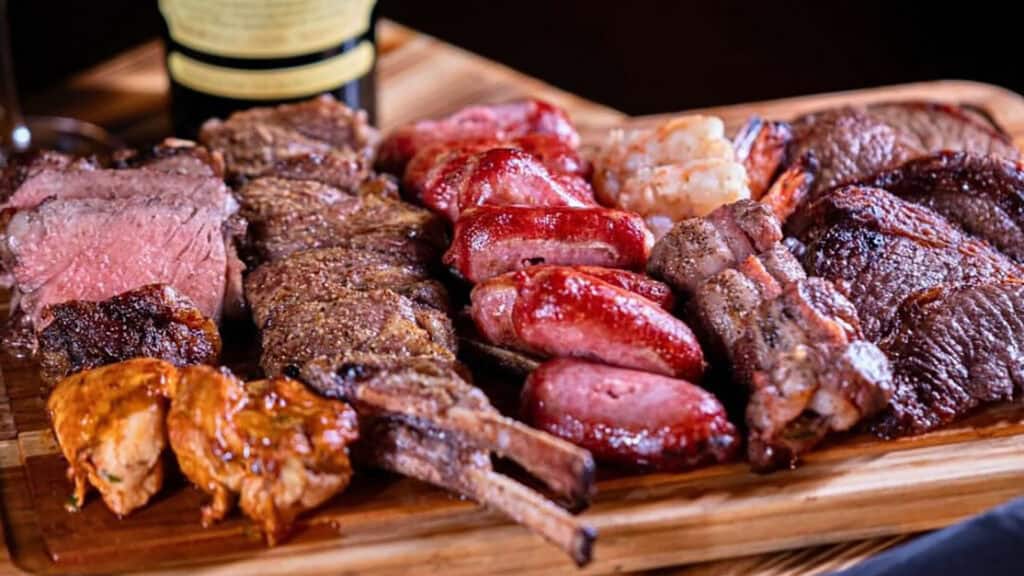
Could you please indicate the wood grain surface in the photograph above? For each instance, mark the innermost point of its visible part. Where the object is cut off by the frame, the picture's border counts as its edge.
(724, 518)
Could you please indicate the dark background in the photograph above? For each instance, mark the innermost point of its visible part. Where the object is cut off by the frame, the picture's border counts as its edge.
(638, 56)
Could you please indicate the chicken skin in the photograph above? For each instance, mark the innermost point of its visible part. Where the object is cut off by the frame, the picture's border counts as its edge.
(282, 448)
(110, 424)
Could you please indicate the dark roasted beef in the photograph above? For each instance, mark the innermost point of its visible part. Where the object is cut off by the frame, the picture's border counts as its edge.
(878, 250)
(153, 321)
(983, 194)
(955, 348)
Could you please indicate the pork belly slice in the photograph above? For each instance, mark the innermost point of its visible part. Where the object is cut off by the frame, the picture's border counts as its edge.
(287, 216)
(93, 248)
(492, 240)
(278, 446)
(318, 139)
(497, 121)
(558, 311)
(421, 419)
(153, 321)
(809, 371)
(629, 417)
(879, 249)
(110, 425)
(983, 195)
(452, 178)
(954, 348)
(698, 248)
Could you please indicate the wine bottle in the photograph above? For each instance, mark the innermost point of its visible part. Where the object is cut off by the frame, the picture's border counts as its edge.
(226, 55)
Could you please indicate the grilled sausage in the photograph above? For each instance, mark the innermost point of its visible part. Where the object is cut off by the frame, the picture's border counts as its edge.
(492, 240)
(628, 417)
(559, 311)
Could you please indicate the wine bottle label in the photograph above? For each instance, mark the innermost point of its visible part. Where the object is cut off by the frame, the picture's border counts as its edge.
(265, 28)
(274, 83)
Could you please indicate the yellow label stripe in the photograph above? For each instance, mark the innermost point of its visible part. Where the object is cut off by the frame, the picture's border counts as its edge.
(272, 84)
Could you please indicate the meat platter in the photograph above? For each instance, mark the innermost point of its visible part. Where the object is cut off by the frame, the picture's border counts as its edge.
(939, 468)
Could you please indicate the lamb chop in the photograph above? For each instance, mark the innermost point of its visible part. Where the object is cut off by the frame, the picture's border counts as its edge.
(154, 321)
(423, 420)
(850, 144)
(794, 342)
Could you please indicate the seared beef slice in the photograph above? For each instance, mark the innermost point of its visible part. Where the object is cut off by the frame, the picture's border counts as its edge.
(90, 235)
(956, 348)
(878, 250)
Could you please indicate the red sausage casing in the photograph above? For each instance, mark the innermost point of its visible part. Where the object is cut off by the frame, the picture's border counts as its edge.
(629, 417)
(559, 311)
(492, 240)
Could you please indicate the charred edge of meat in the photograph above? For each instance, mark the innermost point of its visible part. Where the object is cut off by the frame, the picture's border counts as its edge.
(792, 187)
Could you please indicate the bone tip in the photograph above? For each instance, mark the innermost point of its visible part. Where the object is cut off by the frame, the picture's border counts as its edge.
(585, 487)
(583, 545)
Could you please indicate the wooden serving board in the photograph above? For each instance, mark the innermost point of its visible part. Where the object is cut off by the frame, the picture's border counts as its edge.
(852, 488)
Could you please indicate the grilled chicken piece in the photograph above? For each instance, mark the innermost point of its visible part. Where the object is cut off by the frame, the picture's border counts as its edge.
(761, 147)
(560, 311)
(497, 121)
(809, 370)
(492, 240)
(318, 139)
(154, 321)
(452, 178)
(423, 420)
(110, 424)
(629, 417)
(698, 248)
(283, 449)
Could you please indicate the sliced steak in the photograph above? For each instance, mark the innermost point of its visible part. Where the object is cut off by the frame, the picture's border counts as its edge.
(878, 250)
(848, 145)
(21, 167)
(92, 249)
(983, 194)
(319, 139)
(153, 321)
(287, 216)
(955, 348)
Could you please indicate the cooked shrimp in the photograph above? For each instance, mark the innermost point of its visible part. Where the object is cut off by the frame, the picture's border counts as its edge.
(683, 168)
